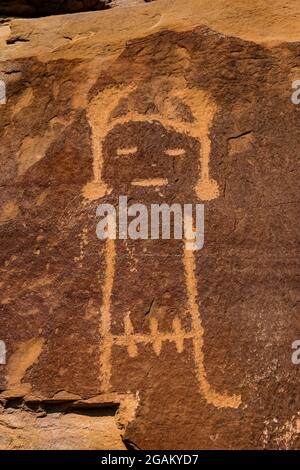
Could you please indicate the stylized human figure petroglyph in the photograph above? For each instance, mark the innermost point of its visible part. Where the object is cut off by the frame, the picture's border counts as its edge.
(180, 118)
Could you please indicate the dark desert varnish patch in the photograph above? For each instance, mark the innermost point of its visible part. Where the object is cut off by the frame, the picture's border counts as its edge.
(36, 8)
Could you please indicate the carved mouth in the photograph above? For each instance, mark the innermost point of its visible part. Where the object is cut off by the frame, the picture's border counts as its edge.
(150, 182)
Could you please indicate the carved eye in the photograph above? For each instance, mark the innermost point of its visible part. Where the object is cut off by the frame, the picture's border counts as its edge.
(175, 152)
(126, 151)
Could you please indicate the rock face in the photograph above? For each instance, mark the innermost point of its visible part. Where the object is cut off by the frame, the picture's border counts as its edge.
(59, 430)
(171, 103)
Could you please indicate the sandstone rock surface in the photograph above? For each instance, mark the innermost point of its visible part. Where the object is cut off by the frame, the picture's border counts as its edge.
(172, 102)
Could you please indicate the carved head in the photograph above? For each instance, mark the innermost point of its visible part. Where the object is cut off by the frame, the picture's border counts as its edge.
(158, 137)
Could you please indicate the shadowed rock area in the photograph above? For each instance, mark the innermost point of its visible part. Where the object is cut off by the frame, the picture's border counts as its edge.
(32, 8)
(170, 103)
(36, 8)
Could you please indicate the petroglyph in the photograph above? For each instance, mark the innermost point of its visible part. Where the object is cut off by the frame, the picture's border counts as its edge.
(202, 107)
(169, 115)
(102, 105)
(203, 110)
(105, 325)
(151, 182)
(216, 399)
